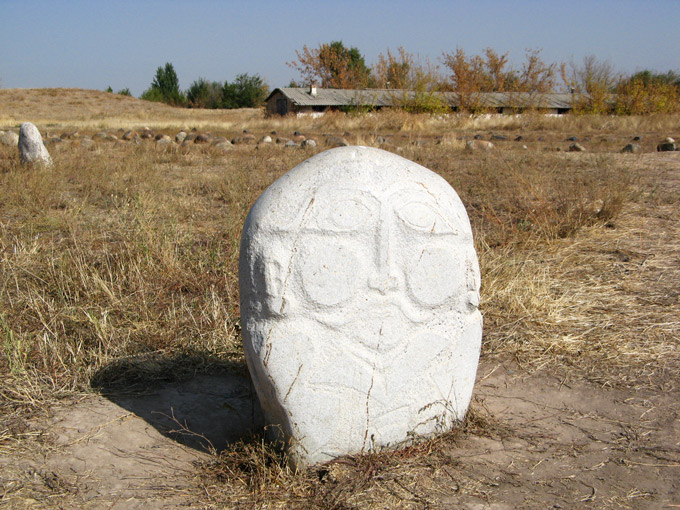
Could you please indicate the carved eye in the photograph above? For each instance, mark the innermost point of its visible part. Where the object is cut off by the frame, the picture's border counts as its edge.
(422, 217)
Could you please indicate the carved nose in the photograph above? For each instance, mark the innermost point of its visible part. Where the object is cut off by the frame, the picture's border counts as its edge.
(384, 280)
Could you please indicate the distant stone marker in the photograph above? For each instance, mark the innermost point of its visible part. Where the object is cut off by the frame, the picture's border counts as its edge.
(31, 147)
(359, 291)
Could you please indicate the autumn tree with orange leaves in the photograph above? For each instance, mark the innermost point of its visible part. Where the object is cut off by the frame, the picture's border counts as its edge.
(332, 66)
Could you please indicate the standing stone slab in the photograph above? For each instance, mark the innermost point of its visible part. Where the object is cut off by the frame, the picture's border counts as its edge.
(31, 147)
(359, 291)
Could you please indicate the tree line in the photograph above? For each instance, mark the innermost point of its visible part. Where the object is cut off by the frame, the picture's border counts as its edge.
(246, 91)
(599, 88)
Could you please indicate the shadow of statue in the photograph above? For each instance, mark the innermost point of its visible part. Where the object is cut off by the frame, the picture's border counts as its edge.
(193, 398)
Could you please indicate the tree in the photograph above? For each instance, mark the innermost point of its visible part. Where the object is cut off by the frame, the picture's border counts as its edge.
(244, 92)
(165, 87)
(332, 66)
(204, 94)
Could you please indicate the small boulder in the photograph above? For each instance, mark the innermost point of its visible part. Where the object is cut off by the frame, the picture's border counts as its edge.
(336, 141)
(476, 145)
(87, 143)
(290, 144)
(499, 137)
(667, 145)
(246, 138)
(31, 147)
(266, 139)
(203, 138)
(179, 137)
(69, 135)
(10, 138)
(577, 147)
(309, 143)
(147, 134)
(632, 148)
(164, 142)
(223, 147)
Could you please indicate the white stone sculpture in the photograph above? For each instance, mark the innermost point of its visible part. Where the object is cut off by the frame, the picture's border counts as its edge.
(31, 147)
(359, 291)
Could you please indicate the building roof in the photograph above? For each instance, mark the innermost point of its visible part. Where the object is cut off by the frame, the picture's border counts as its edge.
(389, 97)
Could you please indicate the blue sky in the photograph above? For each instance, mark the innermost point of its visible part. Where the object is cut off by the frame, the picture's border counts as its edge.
(94, 44)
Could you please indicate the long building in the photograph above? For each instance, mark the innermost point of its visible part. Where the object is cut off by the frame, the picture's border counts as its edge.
(283, 101)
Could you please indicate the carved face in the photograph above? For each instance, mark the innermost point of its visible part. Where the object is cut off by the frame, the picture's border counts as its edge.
(361, 254)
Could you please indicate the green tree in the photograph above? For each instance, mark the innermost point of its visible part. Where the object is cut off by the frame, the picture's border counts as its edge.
(245, 91)
(165, 87)
(204, 94)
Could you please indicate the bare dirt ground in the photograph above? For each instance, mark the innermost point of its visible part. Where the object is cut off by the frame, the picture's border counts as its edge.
(545, 441)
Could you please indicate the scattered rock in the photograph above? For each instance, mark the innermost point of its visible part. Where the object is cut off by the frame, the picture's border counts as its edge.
(336, 141)
(577, 147)
(10, 138)
(477, 137)
(291, 145)
(129, 135)
(309, 143)
(571, 139)
(475, 145)
(164, 142)
(87, 143)
(203, 138)
(179, 137)
(244, 139)
(666, 146)
(147, 134)
(519, 138)
(223, 147)
(190, 137)
(266, 139)
(499, 137)
(637, 138)
(299, 138)
(632, 148)
(282, 140)
(338, 359)
(100, 136)
(31, 147)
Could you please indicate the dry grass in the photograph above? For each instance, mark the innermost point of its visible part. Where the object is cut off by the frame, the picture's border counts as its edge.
(125, 252)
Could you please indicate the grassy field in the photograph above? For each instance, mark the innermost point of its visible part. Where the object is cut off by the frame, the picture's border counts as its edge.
(125, 255)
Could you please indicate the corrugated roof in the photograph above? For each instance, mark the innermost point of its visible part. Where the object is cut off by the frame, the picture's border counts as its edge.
(388, 97)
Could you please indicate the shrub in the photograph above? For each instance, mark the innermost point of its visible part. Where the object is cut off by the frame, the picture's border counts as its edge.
(204, 94)
(244, 92)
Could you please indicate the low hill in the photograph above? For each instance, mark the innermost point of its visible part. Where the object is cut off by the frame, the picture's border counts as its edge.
(96, 109)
